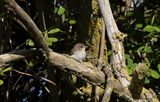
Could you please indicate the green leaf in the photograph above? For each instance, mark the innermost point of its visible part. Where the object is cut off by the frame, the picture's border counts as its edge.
(132, 65)
(1, 82)
(53, 31)
(61, 10)
(129, 14)
(1, 72)
(129, 61)
(74, 93)
(147, 81)
(154, 74)
(139, 25)
(30, 43)
(130, 71)
(158, 66)
(147, 49)
(140, 48)
(157, 29)
(149, 28)
(127, 56)
(7, 69)
(30, 64)
(51, 40)
(71, 22)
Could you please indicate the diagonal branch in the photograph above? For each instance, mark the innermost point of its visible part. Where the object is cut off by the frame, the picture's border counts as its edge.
(24, 18)
(27, 74)
(66, 63)
(89, 73)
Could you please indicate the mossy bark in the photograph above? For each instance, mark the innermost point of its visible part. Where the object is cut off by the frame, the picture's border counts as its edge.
(89, 27)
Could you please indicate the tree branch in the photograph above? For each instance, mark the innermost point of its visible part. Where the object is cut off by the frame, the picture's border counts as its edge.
(66, 63)
(31, 27)
(138, 78)
(89, 73)
(115, 37)
(18, 55)
(109, 85)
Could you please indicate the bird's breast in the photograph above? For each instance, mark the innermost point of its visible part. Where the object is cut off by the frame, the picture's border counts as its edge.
(79, 55)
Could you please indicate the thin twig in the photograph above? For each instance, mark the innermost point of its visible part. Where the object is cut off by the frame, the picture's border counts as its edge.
(44, 26)
(20, 23)
(43, 20)
(18, 47)
(27, 74)
(19, 79)
(47, 80)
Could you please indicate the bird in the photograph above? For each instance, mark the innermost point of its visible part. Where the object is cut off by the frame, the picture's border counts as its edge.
(78, 52)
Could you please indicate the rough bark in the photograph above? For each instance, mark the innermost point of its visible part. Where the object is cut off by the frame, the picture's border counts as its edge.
(87, 73)
(90, 72)
(90, 31)
(65, 63)
(109, 85)
(89, 28)
(115, 37)
(138, 78)
(18, 55)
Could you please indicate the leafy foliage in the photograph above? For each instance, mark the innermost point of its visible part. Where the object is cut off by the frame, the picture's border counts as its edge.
(3, 70)
(154, 74)
(142, 44)
(57, 29)
(61, 10)
(53, 31)
(72, 21)
(2, 73)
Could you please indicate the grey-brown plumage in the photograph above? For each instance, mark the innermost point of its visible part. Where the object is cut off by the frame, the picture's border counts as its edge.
(78, 52)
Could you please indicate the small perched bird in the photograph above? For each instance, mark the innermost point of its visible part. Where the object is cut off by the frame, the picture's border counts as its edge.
(78, 52)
